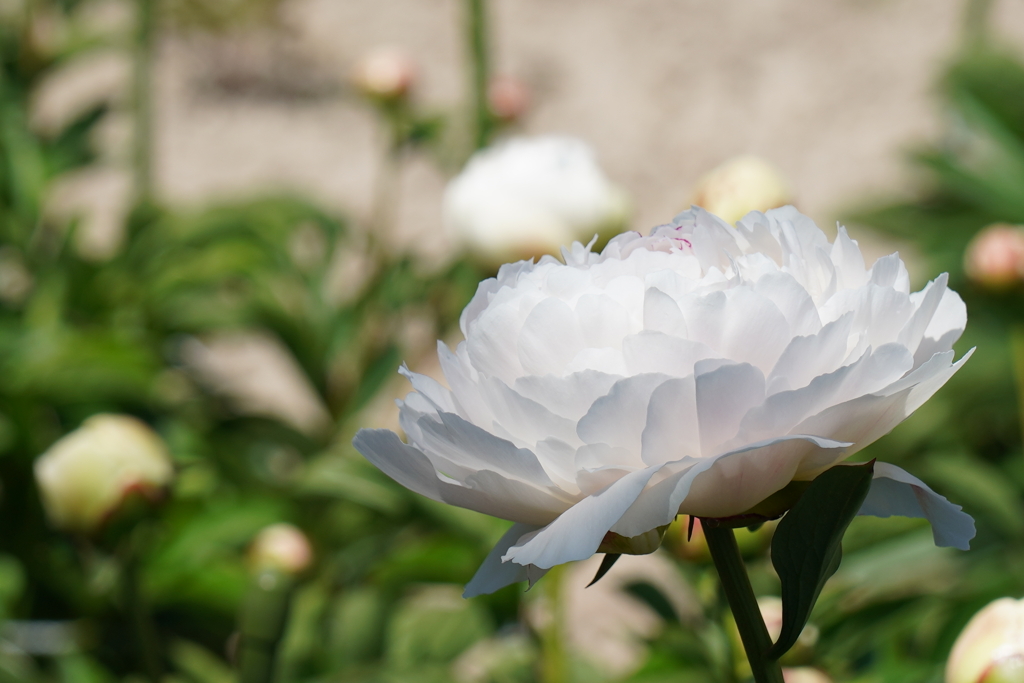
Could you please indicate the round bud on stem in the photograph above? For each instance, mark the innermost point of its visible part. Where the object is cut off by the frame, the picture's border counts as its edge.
(995, 257)
(739, 186)
(385, 73)
(281, 547)
(86, 476)
(990, 649)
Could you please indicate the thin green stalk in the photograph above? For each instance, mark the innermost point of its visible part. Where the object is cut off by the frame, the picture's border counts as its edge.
(726, 555)
(479, 71)
(1017, 358)
(142, 99)
(554, 664)
(975, 23)
(262, 624)
(138, 615)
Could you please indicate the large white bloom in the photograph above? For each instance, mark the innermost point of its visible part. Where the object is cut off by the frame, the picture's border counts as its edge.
(694, 371)
(529, 196)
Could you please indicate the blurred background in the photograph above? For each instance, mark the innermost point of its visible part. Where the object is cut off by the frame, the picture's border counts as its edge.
(224, 224)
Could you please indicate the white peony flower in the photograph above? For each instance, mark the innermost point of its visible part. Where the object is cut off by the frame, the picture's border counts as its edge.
(695, 371)
(529, 196)
(85, 476)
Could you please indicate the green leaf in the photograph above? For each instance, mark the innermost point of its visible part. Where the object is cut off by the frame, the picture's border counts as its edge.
(807, 546)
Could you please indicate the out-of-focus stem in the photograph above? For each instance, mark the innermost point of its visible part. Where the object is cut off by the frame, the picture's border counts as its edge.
(479, 71)
(261, 626)
(142, 99)
(554, 664)
(1017, 357)
(975, 22)
(726, 555)
(137, 609)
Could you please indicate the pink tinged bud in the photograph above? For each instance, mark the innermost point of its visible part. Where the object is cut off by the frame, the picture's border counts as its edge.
(385, 73)
(86, 476)
(990, 649)
(995, 257)
(281, 547)
(508, 98)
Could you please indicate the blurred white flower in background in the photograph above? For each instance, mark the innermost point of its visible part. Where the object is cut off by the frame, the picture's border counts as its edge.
(995, 256)
(694, 371)
(990, 649)
(528, 196)
(739, 186)
(85, 476)
(281, 547)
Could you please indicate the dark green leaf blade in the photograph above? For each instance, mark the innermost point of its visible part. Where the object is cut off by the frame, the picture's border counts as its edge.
(606, 564)
(807, 545)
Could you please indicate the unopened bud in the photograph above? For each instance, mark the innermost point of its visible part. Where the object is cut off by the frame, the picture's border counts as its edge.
(739, 186)
(508, 98)
(995, 257)
(281, 547)
(804, 674)
(85, 477)
(386, 73)
(990, 649)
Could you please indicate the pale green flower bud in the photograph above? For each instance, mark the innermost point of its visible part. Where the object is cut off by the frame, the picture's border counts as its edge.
(84, 477)
(990, 649)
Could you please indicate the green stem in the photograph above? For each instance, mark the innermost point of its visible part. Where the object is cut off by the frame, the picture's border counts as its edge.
(1017, 358)
(975, 23)
(142, 98)
(726, 555)
(553, 664)
(479, 65)
(140, 618)
(262, 624)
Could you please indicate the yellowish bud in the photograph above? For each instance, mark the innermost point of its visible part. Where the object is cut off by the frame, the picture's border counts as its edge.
(990, 649)
(739, 186)
(385, 73)
(85, 477)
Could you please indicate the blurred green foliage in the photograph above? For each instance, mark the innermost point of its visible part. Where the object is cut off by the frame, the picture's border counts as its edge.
(381, 602)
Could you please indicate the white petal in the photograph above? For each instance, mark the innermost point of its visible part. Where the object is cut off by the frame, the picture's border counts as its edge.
(493, 574)
(728, 321)
(945, 327)
(648, 352)
(486, 492)
(671, 431)
(578, 532)
(662, 314)
(865, 419)
(896, 492)
(523, 418)
(927, 303)
(809, 356)
(724, 396)
(792, 300)
(431, 389)
(467, 446)
(602, 320)
(570, 396)
(617, 419)
(725, 488)
(549, 339)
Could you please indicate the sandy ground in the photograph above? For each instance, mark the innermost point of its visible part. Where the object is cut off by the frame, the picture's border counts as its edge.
(831, 93)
